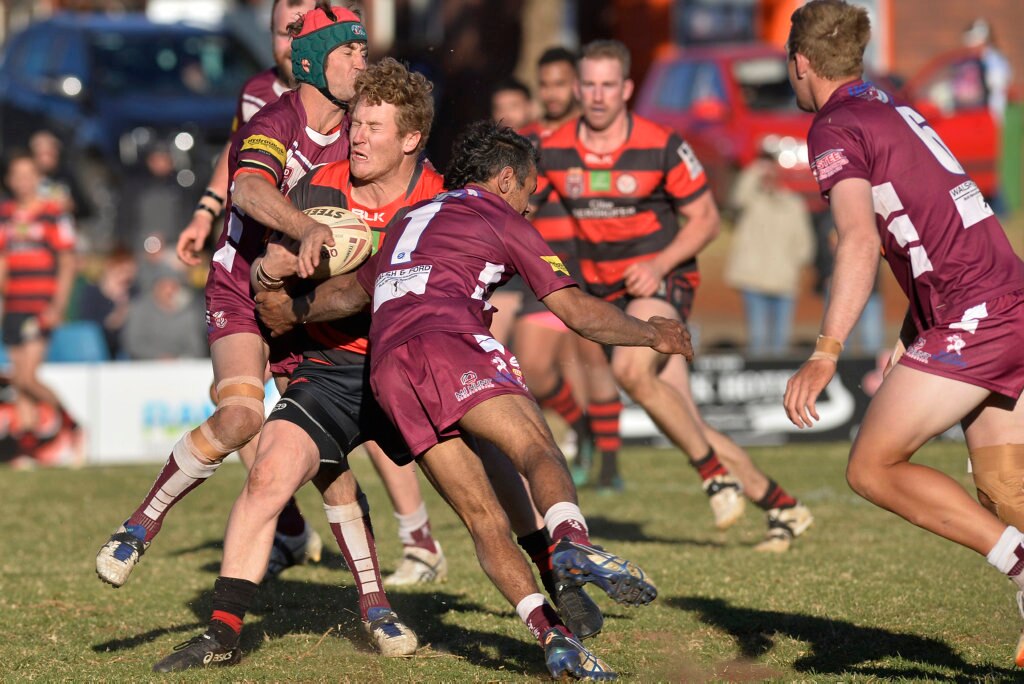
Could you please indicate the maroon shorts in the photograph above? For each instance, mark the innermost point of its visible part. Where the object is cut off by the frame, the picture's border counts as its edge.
(230, 311)
(983, 349)
(427, 384)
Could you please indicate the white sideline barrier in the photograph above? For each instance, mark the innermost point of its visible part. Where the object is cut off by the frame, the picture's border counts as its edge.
(134, 411)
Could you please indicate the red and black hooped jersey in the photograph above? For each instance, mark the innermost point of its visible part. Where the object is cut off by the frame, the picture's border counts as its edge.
(30, 240)
(330, 185)
(623, 205)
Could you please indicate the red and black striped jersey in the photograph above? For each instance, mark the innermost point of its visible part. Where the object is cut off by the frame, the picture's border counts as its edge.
(551, 219)
(330, 185)
(624, 203)
(30, 240)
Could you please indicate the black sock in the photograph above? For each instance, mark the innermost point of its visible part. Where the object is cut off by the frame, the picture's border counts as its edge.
(537, 546)
(231, 599)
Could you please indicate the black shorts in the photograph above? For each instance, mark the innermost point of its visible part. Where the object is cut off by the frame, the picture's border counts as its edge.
(19, 328)
(678, 289)
(334, 405)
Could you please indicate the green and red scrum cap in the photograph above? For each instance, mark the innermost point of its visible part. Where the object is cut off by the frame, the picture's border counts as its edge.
(318, 37)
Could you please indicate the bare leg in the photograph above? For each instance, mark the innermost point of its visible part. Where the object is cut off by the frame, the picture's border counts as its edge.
(909, 409)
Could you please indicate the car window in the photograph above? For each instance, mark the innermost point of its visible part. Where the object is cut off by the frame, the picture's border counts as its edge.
(764, 83)
(686, 83)
(169, 64)
(957, 86)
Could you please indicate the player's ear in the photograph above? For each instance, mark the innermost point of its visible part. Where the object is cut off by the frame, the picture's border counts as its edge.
(411, 142)
(803, 65)
(507, 180)
(627, 89)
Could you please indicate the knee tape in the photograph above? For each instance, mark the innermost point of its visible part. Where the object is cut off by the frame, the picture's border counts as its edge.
(999, 475)
(236, 391)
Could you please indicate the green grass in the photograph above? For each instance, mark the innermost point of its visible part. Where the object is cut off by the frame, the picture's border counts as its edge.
(863, 596)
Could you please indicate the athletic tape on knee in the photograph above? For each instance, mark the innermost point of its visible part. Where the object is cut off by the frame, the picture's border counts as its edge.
(192, 461)
(251, 403)
(241, 386)
(204, 438)
(343, 513)
(999, 474)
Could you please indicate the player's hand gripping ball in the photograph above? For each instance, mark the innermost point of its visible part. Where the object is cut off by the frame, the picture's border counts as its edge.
(353, 241)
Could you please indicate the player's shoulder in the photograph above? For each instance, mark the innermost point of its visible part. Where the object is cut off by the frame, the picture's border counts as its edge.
(284, 113)
(647, 133)
(430, 182)
(334, 174)
(260, 81)
(561, 137)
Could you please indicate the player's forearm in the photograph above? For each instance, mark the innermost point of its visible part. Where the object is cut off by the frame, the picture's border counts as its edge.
(597, 320)
(338, 297)
(65, 280)
(257, 197)
(702, 226)
(856, 266)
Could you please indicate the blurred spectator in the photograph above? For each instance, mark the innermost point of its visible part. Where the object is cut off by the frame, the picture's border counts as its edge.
(164, 322)
(153, 205)
(58, 181)
(37, 269)
(772, 243)
(107, 300)
(511, 104)
(996, 68)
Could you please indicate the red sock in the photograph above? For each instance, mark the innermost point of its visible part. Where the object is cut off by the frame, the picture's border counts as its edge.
(604, 424)
(776, 497)
(351, 526)
(543, 618)
(562, 402)
(709, 466)
(414, 529)
(572, 530)
(537, 546)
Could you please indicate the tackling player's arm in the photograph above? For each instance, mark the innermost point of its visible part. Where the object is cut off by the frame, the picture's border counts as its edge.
(255, 195)
(604, 323)
(194, 235)
(856, 265)
(337, 297)
(702, 226)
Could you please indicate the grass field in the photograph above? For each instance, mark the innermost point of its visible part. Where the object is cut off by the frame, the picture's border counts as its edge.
(863, 596)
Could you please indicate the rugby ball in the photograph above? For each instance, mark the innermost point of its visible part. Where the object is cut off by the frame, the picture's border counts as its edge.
(353, 241)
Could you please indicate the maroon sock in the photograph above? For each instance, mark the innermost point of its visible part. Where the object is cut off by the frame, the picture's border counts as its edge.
(231, 599)
(537, 546)
(423, 538)
(351, 526)
(709, 466)
(171, 486)
(571, 530)
(775, 497)
(290, 522)
(543, 618)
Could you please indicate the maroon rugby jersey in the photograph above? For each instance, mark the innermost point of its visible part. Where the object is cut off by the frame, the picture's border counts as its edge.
(278, 145)
(941, 239)
(439, 265)
(262, 89)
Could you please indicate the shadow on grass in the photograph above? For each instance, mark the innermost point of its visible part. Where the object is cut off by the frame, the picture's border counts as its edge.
(837, 646)
(626, 531)
(291, 607)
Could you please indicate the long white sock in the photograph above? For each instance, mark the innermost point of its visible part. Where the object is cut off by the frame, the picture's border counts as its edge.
(1007, 556)
(563, 512)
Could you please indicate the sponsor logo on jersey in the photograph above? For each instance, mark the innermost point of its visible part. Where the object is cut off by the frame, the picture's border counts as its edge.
(970, 203)
(594, 159)
(375, 217)
(917, 352)
(574, 181)
(217, 318)
(693, 165)
(394, 284)
(473, 386)
(267, 145)
(626, 184)
(829, 163)
(556, 264)
(599, 181)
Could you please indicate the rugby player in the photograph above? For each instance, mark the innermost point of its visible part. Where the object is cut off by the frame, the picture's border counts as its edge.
(422, 558)
(893, 186)
(268, 156)
(327, 409)
(37, 270)
(439, 374)
(628, 182)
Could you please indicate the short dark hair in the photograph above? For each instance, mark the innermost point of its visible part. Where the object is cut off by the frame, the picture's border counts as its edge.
(558, 54)
(483, 149)
(510, 83)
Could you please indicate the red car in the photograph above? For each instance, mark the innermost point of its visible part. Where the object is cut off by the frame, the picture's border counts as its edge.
(733, 102)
